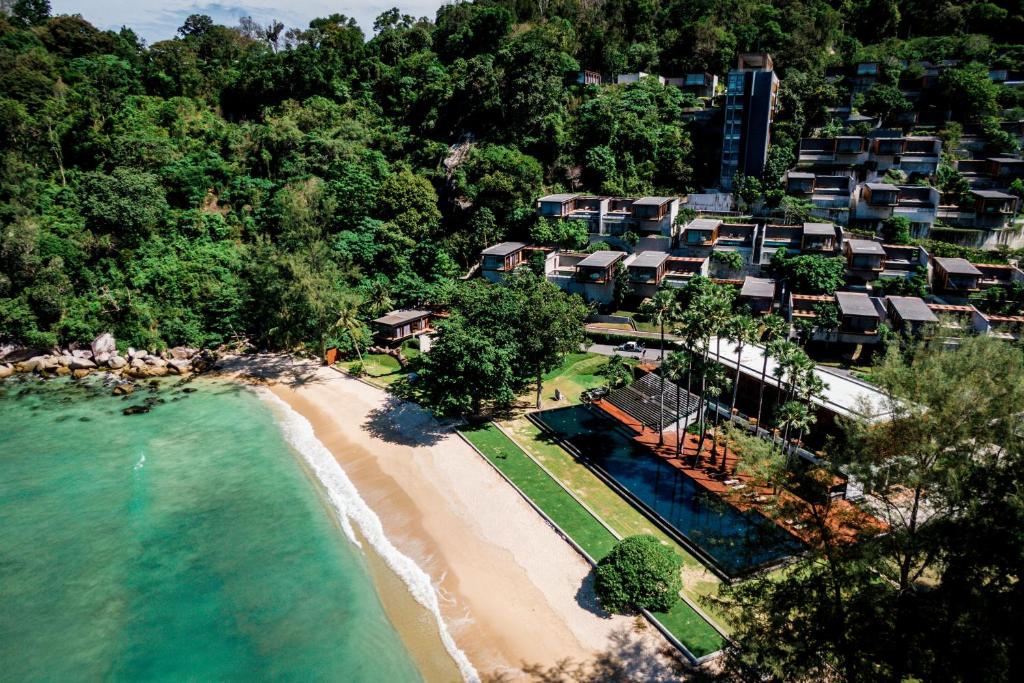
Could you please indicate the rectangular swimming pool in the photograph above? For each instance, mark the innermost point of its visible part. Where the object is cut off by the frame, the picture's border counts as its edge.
(736, 542)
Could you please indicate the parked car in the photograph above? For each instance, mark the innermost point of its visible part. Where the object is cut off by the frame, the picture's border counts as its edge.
(630, 346)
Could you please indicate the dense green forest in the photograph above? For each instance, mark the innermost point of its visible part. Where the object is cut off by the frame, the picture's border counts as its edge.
(246, 183)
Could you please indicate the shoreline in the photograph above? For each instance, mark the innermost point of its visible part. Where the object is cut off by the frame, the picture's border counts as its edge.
(499, 574)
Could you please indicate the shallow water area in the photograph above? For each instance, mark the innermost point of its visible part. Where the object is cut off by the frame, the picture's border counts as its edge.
(186, 542)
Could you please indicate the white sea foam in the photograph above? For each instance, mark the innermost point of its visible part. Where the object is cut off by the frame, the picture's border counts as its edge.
(141, 463)
(351, 507)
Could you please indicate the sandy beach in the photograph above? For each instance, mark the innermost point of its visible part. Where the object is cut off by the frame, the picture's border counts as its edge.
(512, 591)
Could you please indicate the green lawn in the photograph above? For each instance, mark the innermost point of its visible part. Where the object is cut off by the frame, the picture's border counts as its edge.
(642, 325)
(688, 626)
(578, 372)
(380, 369)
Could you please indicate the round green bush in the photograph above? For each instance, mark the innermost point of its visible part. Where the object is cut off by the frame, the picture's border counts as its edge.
(639, 573)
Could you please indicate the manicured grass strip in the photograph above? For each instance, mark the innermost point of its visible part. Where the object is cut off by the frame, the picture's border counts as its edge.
(570, 516)
(691, 629)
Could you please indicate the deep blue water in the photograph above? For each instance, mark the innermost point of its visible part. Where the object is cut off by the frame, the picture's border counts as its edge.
(738, 542)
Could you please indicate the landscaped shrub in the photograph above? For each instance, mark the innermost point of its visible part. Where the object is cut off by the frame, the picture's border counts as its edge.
(639, 573)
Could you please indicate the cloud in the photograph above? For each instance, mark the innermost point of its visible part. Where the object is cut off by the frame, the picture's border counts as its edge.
(155, 20)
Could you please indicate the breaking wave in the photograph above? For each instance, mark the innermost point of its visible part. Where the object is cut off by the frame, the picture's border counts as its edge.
(351, 507)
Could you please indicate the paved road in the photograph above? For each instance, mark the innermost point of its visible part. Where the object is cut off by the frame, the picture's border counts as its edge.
(651, 355)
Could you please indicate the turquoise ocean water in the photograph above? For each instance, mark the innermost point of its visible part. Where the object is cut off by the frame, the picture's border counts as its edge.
(184, 544)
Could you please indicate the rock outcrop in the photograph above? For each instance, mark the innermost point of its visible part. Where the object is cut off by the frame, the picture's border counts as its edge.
(104, 343)
(102, 354)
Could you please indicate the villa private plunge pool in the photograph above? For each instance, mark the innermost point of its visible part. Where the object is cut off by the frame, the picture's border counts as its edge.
(733, 542)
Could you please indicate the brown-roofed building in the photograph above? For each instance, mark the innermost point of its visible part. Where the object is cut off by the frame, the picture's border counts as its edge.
(399, 325)
(955, 322)
(1007, 327)
(954, 276)
(804, 305)
(679, 270)
(998, 275)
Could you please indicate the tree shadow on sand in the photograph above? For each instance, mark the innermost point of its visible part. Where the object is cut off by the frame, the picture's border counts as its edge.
(633, 655)
(406, 424)
(282, 368)
(586, 596)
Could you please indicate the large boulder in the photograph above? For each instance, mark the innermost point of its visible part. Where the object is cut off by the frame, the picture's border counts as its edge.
(182, 353)
(82, 353)
(40, 364)
(156, 361)
(124, 389)
(139, 354)
(82, 364)
(103, 344)
(81, 373)
(64, 371)
(156, 370)
(102, 359)
(116, 362)
(6, 370)
(65, 360)
(179, 366)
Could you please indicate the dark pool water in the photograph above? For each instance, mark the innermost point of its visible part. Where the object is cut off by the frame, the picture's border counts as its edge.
(737, 542)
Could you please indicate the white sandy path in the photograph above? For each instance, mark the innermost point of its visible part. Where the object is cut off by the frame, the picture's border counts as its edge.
(510, 584)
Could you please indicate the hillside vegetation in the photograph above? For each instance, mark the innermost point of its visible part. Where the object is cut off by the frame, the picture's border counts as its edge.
(248, 182)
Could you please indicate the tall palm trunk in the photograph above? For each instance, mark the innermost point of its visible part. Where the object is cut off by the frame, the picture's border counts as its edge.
(764, 377)
(678, 437)
(689, 386)
(703, 401)
(661, 397)
(736, 379)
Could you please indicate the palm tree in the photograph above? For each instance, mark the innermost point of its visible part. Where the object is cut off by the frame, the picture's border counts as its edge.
(790, 414)
(714, 383)
(813, 387)
(661, 307)
(743, 330)
(676, 366)
(690, 334)
(378, 298)
(348, 321)
(773, 328)
(717, 311)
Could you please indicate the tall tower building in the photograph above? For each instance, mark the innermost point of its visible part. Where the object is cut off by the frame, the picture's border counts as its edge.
(750, 101)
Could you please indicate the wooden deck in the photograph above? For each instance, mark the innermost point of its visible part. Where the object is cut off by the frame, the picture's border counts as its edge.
(801, 519)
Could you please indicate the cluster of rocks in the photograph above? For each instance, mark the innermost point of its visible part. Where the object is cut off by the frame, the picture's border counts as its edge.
(102, 354)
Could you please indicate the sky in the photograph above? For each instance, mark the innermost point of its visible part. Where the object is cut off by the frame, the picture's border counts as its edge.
(155, 20)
